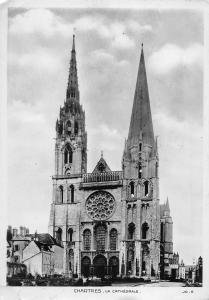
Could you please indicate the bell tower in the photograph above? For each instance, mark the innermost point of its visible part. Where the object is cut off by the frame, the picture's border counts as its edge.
(71, 137)
(141, 189)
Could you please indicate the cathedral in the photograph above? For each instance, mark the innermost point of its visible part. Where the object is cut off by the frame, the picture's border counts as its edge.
(109, 222)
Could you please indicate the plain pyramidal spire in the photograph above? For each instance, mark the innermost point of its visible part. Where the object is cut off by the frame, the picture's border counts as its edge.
(72, 88)
(141, 119)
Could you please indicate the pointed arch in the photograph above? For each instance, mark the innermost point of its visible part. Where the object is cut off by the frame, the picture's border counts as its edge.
(100, 237)
(131, 231)
(145, 228)
(68, 154)
(146, 188)
(72, 189)
(76, 127)
(132, 188)
(68, 127)
(59, 234)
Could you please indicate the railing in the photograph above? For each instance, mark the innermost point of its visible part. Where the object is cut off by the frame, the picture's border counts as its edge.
(101, 177)
(67, 176)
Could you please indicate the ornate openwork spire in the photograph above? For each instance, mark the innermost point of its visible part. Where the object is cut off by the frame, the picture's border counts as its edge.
(72, 88)
(141, 119)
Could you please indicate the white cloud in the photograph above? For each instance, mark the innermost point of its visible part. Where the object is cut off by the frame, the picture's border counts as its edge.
(40, 59)
(40, 21)
(45, 22)
(170, 56)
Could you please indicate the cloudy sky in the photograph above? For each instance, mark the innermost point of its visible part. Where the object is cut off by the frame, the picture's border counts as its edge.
(108, 51)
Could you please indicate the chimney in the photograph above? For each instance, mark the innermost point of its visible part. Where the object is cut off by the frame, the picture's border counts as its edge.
(14, 232)
(27, 231)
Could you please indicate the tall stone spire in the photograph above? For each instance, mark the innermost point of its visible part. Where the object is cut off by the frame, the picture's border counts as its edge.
(72, 88)
(141, 119)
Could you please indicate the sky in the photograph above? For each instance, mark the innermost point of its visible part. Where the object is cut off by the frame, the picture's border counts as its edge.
(108, 45)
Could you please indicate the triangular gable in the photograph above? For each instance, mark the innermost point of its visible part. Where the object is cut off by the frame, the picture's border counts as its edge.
(101, 166)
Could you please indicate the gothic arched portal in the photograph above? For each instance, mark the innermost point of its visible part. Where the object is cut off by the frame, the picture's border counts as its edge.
(85, 266)
(100, 266)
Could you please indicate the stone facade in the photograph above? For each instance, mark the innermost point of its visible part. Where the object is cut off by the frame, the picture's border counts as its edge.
(108, 221)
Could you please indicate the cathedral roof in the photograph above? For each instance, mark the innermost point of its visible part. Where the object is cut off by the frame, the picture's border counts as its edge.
(101, 166)
(141, 120)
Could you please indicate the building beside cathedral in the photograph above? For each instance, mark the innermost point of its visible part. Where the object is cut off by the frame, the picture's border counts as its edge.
(109, 222)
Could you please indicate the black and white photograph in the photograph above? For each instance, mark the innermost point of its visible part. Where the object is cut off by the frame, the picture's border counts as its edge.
(105, 147)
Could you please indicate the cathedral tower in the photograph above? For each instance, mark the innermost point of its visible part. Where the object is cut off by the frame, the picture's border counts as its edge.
(71, 138)
(141, 188)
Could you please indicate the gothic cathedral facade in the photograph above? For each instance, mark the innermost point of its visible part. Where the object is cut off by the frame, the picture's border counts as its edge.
(109, 222)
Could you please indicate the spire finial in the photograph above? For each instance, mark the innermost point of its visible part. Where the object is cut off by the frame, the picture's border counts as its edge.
(73, 47)
(101, 153)
(142, 45)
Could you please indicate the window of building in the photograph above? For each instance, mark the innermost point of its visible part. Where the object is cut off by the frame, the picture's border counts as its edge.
(72, 193)
(76, 127)
(16, 248)
(140, 147)
(87, 240)
(113, 239)
(140, 170)
(59, 234)
(131, 231)
(68, 127)
(132, 188)
(68, 154)
(70, 234)
(61, 194)
(144, 230)
(100, 237)
(146, 188)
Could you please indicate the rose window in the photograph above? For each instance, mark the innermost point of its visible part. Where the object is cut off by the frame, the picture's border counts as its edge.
(100, 205)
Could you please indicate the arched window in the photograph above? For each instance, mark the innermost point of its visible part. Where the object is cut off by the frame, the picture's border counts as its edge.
(68, 127)
(72, 193)
(113, 239)
(131, 231)
(100, 237)
(71, 260)
(144, 230)
(140, 147)
(70, 234)
(76, 127)
(132, 188)
(146, 188)
(61, 194)
(140, 170)
(87, 240)
(72, 92)
(68, 154)
(59, 234)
